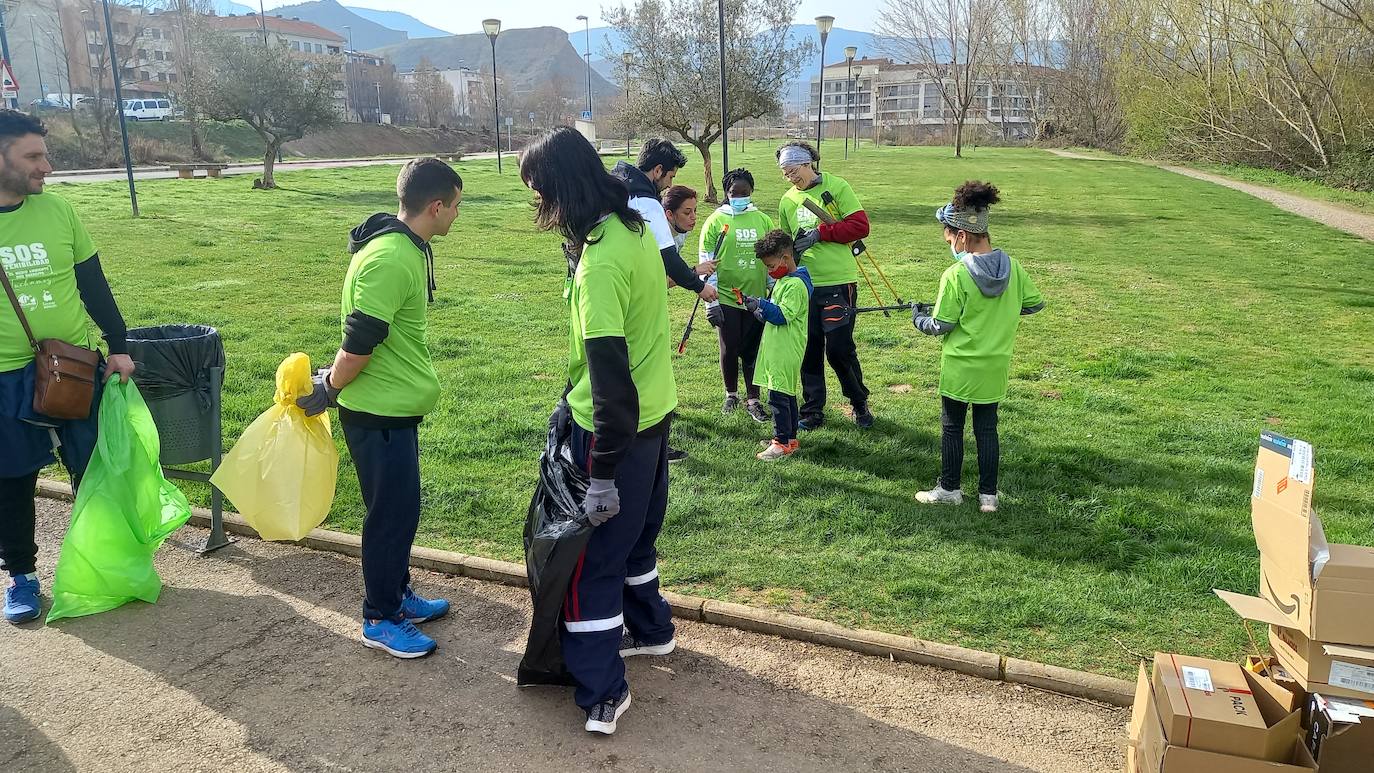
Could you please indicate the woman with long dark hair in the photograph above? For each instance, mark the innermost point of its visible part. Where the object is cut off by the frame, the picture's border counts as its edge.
(622, 394)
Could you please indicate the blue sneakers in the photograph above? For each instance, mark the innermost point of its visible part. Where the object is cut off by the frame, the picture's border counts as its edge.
(402, 639)
(21, 599)
(422, 610)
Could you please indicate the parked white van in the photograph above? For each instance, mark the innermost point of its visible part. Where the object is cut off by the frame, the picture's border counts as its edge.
(148, 109)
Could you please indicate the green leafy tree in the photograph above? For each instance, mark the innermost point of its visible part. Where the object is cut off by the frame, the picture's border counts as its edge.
(282, 95)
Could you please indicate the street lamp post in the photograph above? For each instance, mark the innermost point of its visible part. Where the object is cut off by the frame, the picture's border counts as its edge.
(628, 59)
(823, 25)
(724, 102)
(119, 105)
(348, 77)
(42, 91)
(379, 101)
(493, 28)
(587, 27)
(849, 53)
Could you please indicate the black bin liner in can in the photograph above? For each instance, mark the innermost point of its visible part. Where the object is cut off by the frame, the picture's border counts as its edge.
(556, 533)
(173, 374)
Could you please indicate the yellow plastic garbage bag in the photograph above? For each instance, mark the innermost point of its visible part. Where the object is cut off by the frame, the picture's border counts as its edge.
(281, 474)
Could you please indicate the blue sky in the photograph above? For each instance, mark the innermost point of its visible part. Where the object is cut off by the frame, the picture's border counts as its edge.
(467, 17)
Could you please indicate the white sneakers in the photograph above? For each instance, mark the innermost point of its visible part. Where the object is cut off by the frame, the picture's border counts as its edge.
(939, 495)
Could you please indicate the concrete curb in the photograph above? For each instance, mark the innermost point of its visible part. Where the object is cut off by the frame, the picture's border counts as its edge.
(988, 665)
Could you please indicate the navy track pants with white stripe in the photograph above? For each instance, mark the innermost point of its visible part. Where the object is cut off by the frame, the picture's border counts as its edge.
(616, 580)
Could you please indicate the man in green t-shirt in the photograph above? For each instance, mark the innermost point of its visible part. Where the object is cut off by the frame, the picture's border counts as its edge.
(824, 249)
(383, 383)
(54, 270)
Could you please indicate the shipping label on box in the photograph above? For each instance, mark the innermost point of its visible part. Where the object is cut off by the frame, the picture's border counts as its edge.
(1331, 669)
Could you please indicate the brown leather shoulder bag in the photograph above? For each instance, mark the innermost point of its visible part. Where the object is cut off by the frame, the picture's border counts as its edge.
(64, 383)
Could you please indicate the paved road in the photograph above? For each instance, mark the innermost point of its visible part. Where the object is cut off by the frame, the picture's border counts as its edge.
(1334, 215)
(161, 173)
(250, 662)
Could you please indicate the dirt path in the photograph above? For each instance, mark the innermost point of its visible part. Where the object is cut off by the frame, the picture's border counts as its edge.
(250, 662)
(1334, 215)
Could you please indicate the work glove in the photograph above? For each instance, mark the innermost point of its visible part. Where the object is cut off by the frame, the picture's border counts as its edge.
(920, 311)
(714, 315)
(753, 306)
(602, 502)
(324, 397)
(805, 240)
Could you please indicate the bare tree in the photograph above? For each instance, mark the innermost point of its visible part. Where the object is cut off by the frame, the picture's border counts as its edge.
(129, 26)
(280, 95)
(675, 51)
(189, 26)
(1087, 105)
(951, 44)
(432, 95)
(1247, 79)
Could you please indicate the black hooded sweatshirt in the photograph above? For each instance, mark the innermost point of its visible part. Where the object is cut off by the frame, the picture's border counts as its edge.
(641, 187)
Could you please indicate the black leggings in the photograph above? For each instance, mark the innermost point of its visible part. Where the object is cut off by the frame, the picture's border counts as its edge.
(952, 413)
(785, 416)
(18, 550)
(740, 335)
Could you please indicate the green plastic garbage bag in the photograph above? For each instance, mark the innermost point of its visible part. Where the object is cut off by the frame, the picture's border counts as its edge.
(124, 510)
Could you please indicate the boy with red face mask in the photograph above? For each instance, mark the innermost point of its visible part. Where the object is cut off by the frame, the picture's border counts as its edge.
(784, 315)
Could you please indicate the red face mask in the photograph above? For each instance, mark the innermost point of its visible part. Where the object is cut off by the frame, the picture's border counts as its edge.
(780, 271)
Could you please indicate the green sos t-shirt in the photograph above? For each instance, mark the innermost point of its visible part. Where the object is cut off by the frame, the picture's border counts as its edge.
(780, 354)
(618, 292)
(830, 263)
(41, 242)
(976, 356)
(387, 280)
(738, 266)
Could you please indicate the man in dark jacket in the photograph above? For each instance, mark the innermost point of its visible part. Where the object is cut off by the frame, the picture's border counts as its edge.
(652, 174)
(383, 383)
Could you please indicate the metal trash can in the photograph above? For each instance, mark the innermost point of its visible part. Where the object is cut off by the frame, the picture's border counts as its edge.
(180, 373)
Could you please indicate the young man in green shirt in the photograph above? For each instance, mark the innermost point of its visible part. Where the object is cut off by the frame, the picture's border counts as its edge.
(737, 267)
(52, 265)
(978, 309)
(383, 383)
(824, 249)
(785, 315)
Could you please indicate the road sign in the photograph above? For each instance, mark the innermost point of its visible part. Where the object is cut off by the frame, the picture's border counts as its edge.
(509, 120)
(586, 115)
(10, 88)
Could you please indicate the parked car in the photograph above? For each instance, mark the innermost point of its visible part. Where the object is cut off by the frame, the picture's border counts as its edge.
(49, 104)
(148, 109)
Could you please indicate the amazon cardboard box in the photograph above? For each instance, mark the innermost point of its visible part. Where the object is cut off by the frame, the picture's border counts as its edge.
(1160, 745)
(1340, 736)
(1334, 670)
(1324, 591)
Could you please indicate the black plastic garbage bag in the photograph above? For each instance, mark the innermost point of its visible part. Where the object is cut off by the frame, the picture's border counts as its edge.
(175, 359)
(556, 533)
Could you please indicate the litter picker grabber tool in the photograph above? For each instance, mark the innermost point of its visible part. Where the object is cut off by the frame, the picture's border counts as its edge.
(682, 345)
(885, 309)
(860, 251)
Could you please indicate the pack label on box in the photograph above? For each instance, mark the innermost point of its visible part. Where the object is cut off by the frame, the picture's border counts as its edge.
(1197, 679)
(1352, 677)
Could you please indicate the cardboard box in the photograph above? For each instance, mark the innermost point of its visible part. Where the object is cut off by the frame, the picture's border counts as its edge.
(1341, 734)
(1209, 705)
(1335, 670)
(1151, 751)
(1325, 591)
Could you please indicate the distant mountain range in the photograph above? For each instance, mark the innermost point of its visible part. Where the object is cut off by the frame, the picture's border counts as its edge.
(400, 21)
(371, 28)
(528, 59)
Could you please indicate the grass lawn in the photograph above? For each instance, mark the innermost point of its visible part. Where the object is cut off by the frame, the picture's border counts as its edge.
(1362, 201)
(1183, 319)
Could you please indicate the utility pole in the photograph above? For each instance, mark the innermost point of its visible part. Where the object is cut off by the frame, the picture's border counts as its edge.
(724, 102)
(38, 70)
(5, 46)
